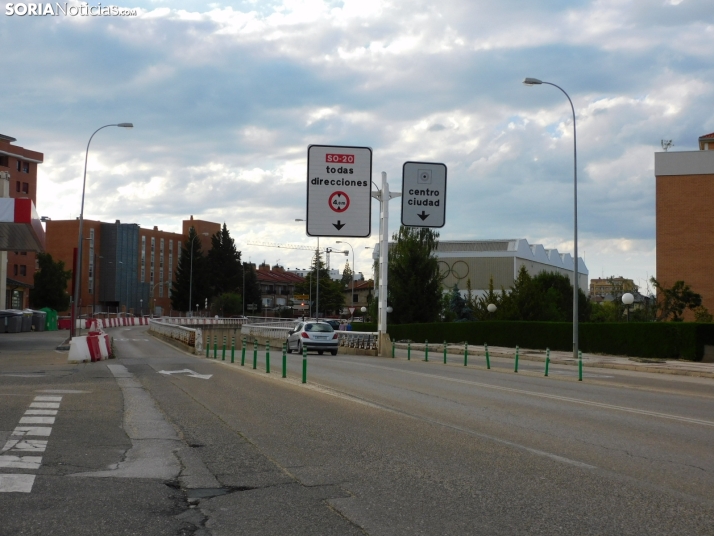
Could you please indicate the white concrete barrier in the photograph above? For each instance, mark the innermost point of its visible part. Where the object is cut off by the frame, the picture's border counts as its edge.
(79, 350)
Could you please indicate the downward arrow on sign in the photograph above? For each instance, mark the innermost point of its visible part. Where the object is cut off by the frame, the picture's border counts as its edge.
(339, 225)
(423, 216)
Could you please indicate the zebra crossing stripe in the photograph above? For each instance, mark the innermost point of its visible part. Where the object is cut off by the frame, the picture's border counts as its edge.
(14, 455)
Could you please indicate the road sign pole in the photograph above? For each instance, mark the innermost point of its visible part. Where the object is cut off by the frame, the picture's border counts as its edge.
(383, 263)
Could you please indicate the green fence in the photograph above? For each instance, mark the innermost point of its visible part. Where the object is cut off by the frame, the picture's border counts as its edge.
(670, 340)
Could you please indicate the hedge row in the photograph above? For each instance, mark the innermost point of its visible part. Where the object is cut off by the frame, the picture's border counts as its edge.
(669, 340)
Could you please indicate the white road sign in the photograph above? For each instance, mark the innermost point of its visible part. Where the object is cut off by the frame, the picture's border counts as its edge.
(339, 186)
(423, 194)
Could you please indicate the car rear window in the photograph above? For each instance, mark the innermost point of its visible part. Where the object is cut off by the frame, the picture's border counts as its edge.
(325, 328)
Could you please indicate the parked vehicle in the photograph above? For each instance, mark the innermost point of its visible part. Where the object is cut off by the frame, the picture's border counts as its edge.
(318, 336)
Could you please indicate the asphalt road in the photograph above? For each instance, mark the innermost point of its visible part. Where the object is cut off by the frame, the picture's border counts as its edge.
(368, 445)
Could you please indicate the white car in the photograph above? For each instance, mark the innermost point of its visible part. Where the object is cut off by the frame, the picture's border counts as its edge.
(311, 335)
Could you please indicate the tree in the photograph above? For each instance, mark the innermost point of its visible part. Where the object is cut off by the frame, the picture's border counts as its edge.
(251, 293)
(347, 275)
(545, 297)
(332, 296)
(415, 291)
(457, 306)
(227, 304)
(50, 284)
(671, 302)
(481, 311)
(199, 285)
(224, 264)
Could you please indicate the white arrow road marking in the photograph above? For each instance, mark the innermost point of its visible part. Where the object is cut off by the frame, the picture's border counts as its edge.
(191, 373)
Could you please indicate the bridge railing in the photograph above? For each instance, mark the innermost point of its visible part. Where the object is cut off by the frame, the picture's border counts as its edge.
(182, 334)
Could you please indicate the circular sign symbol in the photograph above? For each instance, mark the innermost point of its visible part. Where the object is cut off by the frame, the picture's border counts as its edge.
(339, 201)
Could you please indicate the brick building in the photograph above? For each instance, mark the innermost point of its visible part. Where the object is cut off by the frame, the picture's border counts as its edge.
(21, 164)
(277, 286)
(685, 219)
(125, 268)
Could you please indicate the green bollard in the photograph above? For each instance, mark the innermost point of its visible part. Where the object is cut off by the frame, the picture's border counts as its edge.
(426, 351)
(285, 361)
(409, 351)
(515, 369)
(223, 354)
(488, 361)
(304, 365)
(208, 344)
(466, 354)
(580, 366)
(242, 354)
(267, 357)
(215, 346)
(393, 345)
(547, 360)
(233, 349)
(255, 354)
(444, 352)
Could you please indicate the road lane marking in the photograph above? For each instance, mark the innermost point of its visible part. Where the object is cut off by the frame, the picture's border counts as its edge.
(16, 483)
(603, 405)
(25, 445)
(191, 373)
(20, 462)
(22, 483)
(42, 431)
(37, 420)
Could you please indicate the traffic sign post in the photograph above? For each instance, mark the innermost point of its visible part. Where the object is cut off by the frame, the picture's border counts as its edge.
(339, 185)
(423, 194)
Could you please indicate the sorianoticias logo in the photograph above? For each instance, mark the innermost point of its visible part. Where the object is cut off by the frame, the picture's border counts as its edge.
(56, 9)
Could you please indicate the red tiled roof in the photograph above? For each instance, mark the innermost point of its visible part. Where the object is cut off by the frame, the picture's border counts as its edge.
(707, 136)
(278, 277)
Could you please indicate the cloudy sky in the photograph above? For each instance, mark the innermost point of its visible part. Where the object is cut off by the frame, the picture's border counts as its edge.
(226, 98)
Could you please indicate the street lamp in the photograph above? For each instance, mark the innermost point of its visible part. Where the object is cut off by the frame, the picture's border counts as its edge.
(78, 275)
(536, 82)
(190, 277)
(628, 299)
(352, 295)
(491, 308)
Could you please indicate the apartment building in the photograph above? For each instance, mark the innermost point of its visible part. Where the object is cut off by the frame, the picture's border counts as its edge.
(685, 219)
(21, 164)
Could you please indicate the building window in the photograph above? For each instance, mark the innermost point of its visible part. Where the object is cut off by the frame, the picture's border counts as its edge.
(90, 279)
(25, 188)
(19, 165)
(4, 160)
(151, 272)
(23, 269)
(17, 299)
(161, 268)
(355, 298)
(25, 167)
(15, 269)
(17, 186)
(143, 259)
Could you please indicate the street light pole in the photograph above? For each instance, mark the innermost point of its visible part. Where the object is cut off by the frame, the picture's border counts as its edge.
(535, 82)
(190, 277)
(78, 275)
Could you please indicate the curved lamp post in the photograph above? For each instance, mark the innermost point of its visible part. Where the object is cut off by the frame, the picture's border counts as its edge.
(628, 299)
(536, 82)
(78, 275)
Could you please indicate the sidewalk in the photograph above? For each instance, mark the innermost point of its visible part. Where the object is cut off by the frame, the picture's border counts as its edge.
(639, 364)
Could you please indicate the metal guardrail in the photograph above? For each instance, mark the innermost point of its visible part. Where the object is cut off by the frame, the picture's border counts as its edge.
(365, 340)
(206, 321)
(270, 330)
(349, 339)
(188, 336)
